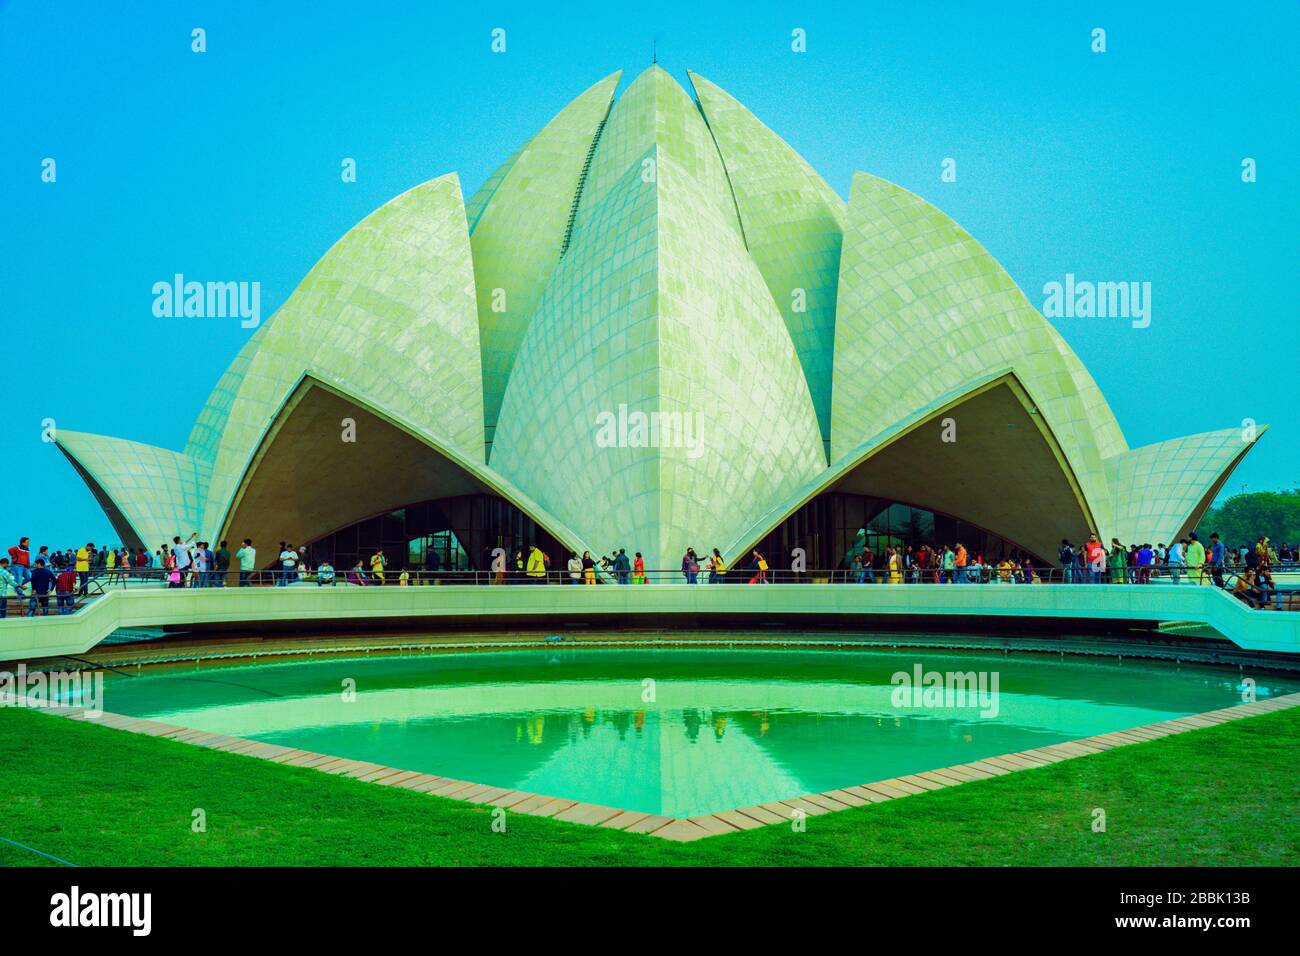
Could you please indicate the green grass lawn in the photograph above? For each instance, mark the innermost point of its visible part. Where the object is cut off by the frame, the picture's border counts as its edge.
(98, 797)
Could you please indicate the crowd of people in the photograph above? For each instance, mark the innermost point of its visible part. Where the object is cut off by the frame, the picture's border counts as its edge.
(1188, 558)
(65, 575)
(1089, 562)
(624, 570)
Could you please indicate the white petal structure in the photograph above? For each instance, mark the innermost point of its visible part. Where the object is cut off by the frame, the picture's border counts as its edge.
(653, 327)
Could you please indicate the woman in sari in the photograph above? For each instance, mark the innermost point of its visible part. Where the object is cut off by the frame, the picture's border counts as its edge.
(895, 566)
(1117, 562)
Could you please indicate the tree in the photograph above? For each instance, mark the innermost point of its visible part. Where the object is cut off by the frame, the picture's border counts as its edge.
(1243, 518)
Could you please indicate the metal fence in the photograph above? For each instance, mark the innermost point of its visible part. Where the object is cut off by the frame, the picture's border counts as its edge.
(96, 583)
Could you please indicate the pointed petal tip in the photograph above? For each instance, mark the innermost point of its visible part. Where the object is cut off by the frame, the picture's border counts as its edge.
(653, 71)
(450, 177)
(609, 81)
(69, 440)
(696, 79)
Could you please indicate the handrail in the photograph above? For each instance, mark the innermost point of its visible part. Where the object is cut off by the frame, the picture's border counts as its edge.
(151, 607)
(1046, 574)
(1271, 596)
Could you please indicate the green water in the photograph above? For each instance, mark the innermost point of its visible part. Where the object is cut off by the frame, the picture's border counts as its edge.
(677, 732)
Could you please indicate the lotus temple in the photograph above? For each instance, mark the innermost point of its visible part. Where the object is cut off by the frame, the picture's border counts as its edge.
(441, 376)
(653, 327)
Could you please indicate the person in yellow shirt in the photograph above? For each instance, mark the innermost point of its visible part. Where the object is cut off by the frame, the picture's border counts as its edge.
(377, 567)
(1196, 561)
(717, 567)
(536, 566)
(83, 568)
(1004, 571)
(1246, 590)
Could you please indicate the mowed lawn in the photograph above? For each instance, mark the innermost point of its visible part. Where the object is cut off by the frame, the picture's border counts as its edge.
(98, 797)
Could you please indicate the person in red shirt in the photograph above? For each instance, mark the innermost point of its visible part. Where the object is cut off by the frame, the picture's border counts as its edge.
(20, 561)
(1095, 556)
(65, 583)
(923, 563)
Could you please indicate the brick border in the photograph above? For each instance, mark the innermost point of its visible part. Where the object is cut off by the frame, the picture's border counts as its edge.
(670, 828)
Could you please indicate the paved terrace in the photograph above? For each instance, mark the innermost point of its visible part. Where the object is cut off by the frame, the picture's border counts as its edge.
(861, 607)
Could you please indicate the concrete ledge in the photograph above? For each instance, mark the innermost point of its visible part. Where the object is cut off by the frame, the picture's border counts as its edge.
(861, 606)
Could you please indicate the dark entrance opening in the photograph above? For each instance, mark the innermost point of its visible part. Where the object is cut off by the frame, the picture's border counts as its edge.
(462, 531)
(834, 526)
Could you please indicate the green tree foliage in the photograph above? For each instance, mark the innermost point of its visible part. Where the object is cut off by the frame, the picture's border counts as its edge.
(1243, 518)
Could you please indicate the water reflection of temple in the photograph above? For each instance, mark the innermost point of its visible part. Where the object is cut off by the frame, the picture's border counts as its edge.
(803, 744)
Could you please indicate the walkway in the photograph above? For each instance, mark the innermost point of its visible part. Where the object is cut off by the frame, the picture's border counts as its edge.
(788, 606)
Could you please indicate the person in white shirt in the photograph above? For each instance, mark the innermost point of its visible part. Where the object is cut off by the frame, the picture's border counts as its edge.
(181, 552)
(288, 564)
(575, 570)
(247, 556)
(1177, 560)
(201, 566)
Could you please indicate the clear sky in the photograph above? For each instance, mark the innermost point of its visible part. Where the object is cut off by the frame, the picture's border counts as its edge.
(225, 165)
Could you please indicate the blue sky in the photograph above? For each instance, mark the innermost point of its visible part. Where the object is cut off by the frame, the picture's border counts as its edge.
(225, 165)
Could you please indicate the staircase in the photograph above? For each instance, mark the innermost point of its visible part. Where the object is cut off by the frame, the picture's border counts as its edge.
(582, 181)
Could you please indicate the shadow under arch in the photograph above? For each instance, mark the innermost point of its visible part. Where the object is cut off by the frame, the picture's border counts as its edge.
(306, 481)
(1202, 506)
(1002, 470)
(117, 517)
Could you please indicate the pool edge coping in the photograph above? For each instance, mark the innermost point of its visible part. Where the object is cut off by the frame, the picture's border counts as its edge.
(677, 829)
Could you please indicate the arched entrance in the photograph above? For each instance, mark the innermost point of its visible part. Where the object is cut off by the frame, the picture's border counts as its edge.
(835, 525)
(461, 531)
